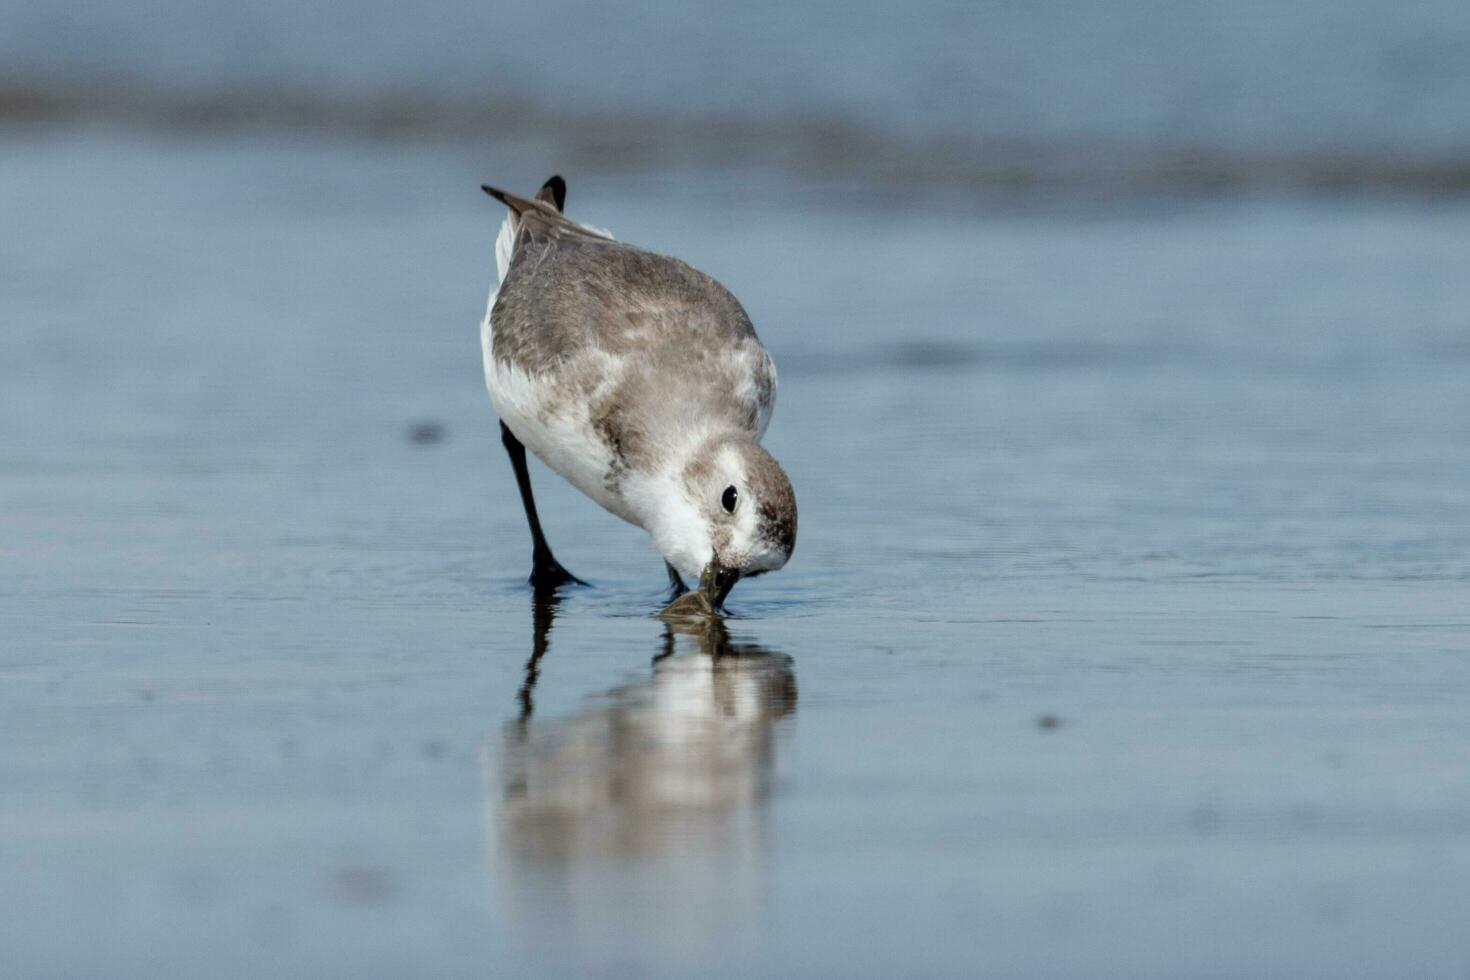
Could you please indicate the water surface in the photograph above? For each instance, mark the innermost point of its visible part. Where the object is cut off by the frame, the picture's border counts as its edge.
(1126, 632)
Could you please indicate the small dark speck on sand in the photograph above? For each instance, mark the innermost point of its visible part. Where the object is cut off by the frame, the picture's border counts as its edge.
(1048, 723)
(356, 884)
(427, 432)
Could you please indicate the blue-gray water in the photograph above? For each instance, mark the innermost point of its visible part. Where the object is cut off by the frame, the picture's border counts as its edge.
(1127, 632)
(1189, 480)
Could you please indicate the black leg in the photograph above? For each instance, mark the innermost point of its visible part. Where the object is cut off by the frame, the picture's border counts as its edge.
(546, 571)
(676, 582)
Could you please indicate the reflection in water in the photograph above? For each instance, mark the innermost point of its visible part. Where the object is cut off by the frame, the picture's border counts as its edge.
(636, 822)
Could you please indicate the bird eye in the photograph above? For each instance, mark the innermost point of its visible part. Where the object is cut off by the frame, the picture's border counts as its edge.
(729, 500)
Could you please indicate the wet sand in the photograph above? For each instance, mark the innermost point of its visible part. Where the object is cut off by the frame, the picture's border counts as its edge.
(1126, 633)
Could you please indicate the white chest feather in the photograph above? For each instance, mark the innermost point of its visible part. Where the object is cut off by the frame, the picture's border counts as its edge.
(556, 428)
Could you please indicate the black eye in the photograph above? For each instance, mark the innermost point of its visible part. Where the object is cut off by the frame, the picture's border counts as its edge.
(729, 499)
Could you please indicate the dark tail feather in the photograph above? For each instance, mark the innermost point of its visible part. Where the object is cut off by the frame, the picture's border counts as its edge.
(554, 192)
(540, 218)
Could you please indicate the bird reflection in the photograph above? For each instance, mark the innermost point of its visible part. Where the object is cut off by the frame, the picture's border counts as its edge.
(645, 762)
(543, 614)
(647, 802)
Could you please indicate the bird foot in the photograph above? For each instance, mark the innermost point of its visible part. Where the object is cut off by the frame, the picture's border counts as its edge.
(548, 573)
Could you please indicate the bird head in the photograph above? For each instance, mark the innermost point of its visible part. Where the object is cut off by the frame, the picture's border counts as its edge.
(734, 516)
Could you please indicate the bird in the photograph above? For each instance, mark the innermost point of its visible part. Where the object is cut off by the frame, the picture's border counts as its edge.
(641, 381)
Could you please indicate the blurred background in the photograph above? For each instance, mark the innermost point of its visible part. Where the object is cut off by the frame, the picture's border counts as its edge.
(1125, 359)
(936, 99)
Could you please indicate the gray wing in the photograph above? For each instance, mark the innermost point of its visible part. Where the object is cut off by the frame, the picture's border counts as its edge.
(638, 341)
(563, 297)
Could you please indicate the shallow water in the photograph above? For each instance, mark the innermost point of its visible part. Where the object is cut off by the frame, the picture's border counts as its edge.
(1126, 632)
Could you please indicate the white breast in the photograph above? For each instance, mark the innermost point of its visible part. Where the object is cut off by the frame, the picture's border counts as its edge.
(557, 429)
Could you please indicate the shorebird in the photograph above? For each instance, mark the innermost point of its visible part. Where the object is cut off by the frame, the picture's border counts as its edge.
(641, 381)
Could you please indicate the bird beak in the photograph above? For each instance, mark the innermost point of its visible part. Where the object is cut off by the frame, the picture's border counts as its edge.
(717, 581)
